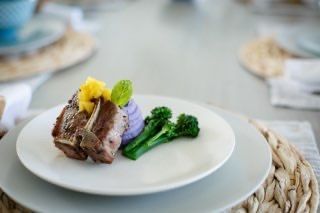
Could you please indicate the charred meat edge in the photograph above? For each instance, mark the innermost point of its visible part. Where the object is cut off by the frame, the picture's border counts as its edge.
(66, 142)
(102, 140)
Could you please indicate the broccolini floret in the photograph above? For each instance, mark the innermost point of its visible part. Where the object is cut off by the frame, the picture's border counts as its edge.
(154, 122)
(186, 126)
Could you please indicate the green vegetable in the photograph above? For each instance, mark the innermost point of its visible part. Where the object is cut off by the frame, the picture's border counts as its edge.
(186, 126)
(154, 122)
(121, 92)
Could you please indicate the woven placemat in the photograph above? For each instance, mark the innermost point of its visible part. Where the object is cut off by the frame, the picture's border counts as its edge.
(290, 187)
(74, 47)
(263, 57)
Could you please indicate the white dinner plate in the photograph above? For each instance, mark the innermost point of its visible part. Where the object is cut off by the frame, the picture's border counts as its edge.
(310, 41)
(238, 178)
(288, 40)
(167, 166)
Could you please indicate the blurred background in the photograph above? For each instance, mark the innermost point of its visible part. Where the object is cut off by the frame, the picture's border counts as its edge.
(258, 57)
(255, 58)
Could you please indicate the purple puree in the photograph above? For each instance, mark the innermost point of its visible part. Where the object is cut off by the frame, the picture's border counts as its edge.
(136, 122)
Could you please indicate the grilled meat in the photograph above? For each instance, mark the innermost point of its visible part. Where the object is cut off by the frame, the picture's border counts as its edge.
(101, 137)
(68, 123)
(79, 135)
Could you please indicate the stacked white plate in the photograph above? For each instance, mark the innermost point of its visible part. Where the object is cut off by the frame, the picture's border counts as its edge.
(223, 166)
(302, 40)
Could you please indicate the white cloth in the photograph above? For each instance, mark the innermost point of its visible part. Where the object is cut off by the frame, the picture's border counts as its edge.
(305, 73)
(17, 99)
(298, 86)
(285, 94)
(17, 96)
(301, 135)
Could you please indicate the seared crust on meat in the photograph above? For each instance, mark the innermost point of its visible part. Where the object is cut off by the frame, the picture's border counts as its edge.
(68, 123)
(79, 135)
(101, 137)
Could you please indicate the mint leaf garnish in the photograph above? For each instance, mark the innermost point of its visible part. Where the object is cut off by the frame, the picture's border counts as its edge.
(121, 92)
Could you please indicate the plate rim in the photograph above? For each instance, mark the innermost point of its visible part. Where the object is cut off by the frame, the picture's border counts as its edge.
(134, 191)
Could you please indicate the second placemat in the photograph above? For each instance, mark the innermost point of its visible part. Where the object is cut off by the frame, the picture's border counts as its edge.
(263, 57)
(72, 48)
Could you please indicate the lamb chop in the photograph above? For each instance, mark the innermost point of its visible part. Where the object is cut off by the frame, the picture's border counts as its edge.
(101, 136)
(98, 135)
(68, 123)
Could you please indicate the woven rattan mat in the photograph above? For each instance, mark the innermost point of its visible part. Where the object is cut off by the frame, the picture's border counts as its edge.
(263, 57)
(290, 187)
(71, 49)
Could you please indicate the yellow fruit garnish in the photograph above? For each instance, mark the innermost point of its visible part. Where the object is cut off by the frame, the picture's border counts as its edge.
(86, 105)
(92, 89)
(106, 94)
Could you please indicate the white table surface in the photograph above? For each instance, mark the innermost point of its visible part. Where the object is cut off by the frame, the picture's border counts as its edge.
(177, 49)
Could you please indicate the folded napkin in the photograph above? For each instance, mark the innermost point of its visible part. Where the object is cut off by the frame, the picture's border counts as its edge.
(286, 94)
(305, 73)
(15, 99)
(299, 85)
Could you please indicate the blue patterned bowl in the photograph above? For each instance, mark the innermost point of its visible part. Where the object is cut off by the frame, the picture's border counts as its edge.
(13, 15)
